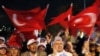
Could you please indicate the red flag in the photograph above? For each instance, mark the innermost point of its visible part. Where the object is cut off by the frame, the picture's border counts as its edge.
(98, 23)
(98, 2)
(98, 20)
(86, 19)
(27, 20)
(63, 18)
(15, 41)
(18, 37)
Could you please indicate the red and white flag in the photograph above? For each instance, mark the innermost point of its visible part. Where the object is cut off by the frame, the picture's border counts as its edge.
(27, 20)
(86, 19)
(63, 18)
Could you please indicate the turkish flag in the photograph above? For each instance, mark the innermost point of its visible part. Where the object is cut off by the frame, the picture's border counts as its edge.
(86, 19)
(63, 18)
(27, 20)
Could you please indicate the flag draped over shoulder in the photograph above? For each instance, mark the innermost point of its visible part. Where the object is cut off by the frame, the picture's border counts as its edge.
(27, 20)
(86, 19)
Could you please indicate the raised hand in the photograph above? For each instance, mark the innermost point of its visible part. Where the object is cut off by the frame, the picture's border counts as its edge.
(67, 32)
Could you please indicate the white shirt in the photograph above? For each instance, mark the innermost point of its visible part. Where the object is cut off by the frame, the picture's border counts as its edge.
(63, 53)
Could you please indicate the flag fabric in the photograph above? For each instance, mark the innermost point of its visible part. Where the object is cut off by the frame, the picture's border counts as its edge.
(98, 20)
(62, 19)
(86, 19)
(27, 20)
(98, 23)
(14, 41)
(98, 2)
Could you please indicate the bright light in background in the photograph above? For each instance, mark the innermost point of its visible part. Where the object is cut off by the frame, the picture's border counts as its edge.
(0, 30)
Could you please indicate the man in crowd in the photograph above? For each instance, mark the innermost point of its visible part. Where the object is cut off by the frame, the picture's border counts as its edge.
(32, 46)
(58, 49)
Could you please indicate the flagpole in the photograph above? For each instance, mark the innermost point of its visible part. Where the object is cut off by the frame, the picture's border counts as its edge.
(84, 4)
(69, 16)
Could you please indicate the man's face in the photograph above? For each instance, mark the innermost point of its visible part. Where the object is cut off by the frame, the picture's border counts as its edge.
(58, 46)
(32, 47)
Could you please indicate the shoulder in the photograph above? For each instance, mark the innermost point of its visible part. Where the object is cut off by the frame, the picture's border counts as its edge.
(25, 53)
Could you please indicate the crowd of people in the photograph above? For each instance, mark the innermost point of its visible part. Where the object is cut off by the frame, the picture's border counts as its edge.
(60, 45)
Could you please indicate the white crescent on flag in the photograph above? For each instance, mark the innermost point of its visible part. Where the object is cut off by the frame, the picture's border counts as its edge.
(78, 20)
(16, 21)
(92, 19)
(69, 17)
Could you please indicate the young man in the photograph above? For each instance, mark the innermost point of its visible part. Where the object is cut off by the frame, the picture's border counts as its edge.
(32, 46)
